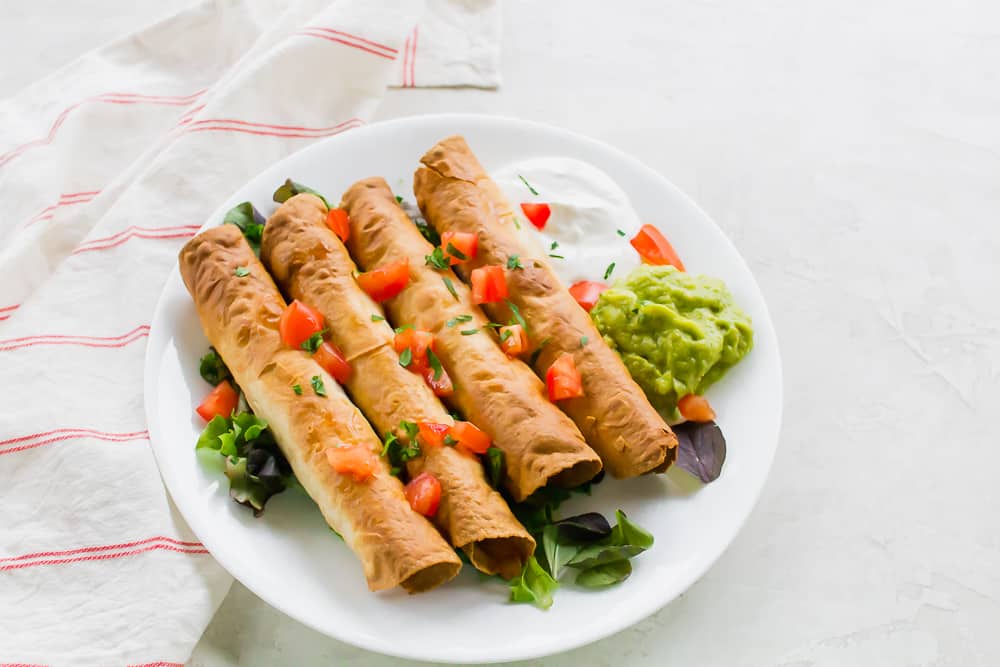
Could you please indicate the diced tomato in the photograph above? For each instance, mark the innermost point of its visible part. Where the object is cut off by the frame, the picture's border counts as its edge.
(432, 434)
(489, 284)
(338, 221)
(332, 360)
(470, 437)
(538, 214)
(359, 462)
(562, 378)
(298, 322)
(466, 243)
(586, 293)
(513, 340)
(424, 494)
(696, 408)
(387, 281)
(220, 401)
(654, 248)
(418, 341)
(442, 386)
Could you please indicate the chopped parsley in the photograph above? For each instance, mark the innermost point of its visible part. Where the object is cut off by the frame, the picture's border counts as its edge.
(297, 388)
(517, 315)
(403, 328)
(621, 233)
(406, 357)
(450, 441)
(514, 262)
(312, 343)
(450, 285)
(517, 223)
(317, 385)
(242, 271)
(437, 259)
(456, 253)
(469, 332)
(608, 271)
(533, 190)
(457, 320)
(377, 318)
(396, 452)
(409, 428)
(505, 334)
(553, 255)
(583, 341)
(399, 200)
(435, 364)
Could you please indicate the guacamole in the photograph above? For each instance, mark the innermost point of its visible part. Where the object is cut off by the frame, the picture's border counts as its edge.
(677, 333)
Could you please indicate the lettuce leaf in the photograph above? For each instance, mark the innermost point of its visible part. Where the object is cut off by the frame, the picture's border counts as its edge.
(534, 585)
(249, 220)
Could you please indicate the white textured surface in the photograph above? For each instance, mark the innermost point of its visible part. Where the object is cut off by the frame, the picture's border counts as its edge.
(852, 152)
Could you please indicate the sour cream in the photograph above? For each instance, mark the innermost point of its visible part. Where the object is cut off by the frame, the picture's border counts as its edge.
(591, 223)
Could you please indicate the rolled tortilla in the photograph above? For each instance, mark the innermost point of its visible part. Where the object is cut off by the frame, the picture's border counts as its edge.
(456, 194)
(312, 265)
(500, 395)
(396, 546)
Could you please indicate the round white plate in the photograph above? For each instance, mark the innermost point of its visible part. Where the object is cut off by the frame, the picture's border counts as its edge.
(290, 558)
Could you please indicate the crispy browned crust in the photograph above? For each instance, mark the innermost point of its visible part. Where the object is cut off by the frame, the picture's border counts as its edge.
(502, 396)
(396, 546)
(312, 265)
(456, 194)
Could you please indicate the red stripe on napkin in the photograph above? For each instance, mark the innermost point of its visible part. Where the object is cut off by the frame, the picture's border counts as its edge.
(85, 341)
(131, 232)
(61, 434)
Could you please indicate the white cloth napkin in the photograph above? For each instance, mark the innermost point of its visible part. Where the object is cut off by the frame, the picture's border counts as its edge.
(106, 168)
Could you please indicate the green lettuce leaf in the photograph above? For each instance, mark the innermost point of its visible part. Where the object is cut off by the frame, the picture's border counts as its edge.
(249, 220)
(290, 188)
(534, 585)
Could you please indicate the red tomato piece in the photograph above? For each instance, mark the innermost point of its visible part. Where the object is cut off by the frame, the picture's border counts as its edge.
(220, 401)
(432, 434)
(357, 461)
(513, 340)
(466, 243)
(340, 223)
(489, 284)
(441, 386)
(537, 214)
(586, 293)
(418, 342)
(654, 248)
(469, 436)
(562, 378)
(696, 408)
(424, 494)
(387, 281)
(332, 360)
(298, 322)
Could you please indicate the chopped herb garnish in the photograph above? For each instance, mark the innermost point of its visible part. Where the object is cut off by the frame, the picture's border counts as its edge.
(437, 259)
(554, 256)
(456, 253)
(456, 320)
(555, 244)
(494, 325)
(533, 190)
(403, 328)
(505, 334)
(242, 271)
(583, 341)
(435, 363)
(517, 315)
(538, 351)
(450, 441)
(399, 200)
(608, 271)
(517, 223)
(212, 368)
(297, 388)
(317, 385)
(249, 220)
(494, 466)
(396, 452)
(514, 262)
(312, 343)
(469, 332)
(377, 318)
(409, 428)
(621, 233)
(450, 285)
(395, 470)
(406, 357)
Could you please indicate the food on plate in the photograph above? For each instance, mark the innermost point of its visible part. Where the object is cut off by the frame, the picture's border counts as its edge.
(307, 258)
(325, 439)
(456, 195)
(442, 328)
(677, 333)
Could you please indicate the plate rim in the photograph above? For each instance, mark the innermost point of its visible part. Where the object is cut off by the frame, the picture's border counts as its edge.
(158, 337)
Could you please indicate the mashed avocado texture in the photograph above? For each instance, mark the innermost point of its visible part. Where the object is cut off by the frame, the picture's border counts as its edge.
(677, 333)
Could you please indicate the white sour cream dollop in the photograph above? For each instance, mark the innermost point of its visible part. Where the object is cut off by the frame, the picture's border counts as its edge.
(588, 211)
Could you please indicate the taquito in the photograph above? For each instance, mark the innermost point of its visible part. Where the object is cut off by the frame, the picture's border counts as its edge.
(239, 312)
(456, 194)
(501, 396)
(311, 264)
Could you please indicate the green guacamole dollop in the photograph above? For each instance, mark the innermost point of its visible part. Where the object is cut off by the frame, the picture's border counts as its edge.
(677, 333)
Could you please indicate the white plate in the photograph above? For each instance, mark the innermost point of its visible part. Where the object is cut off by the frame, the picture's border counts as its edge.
(290, 559)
